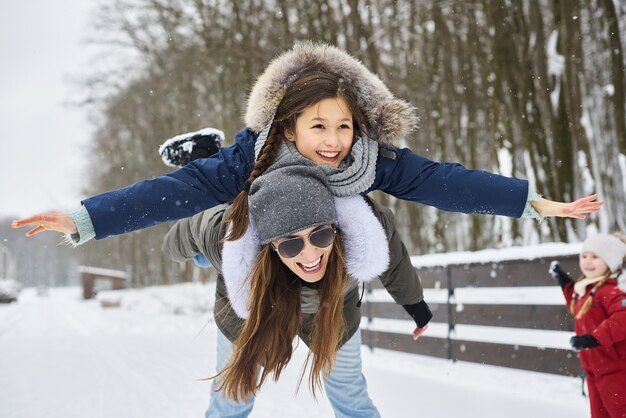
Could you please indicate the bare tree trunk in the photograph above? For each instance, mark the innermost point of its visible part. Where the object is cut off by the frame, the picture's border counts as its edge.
(617, 71)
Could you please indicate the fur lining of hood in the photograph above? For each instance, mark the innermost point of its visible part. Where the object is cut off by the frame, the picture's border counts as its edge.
(364, 240)
(390, 119)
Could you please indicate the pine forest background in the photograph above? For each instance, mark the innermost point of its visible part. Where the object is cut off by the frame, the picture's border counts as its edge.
(531, 89)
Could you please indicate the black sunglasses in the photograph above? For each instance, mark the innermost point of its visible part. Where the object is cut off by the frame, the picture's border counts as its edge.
(321, 238)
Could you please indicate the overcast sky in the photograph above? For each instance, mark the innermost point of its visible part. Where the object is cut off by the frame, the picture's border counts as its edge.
(41, 139)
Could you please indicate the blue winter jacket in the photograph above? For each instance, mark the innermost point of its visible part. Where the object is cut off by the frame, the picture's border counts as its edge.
(218, 179)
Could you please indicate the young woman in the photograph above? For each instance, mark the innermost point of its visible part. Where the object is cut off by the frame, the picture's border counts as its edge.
(598, 303)
(359, 119)
(295, 271)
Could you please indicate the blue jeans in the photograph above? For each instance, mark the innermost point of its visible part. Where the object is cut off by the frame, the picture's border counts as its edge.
(345, 387)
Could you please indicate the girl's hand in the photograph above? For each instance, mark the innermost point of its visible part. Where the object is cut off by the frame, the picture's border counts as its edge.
(48, 221)
(576, 209)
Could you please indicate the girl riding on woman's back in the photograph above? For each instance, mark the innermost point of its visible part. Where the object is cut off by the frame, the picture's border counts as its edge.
(353, 144)
(296, 272)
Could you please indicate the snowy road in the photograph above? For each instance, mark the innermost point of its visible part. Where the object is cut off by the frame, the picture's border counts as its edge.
(64, 357)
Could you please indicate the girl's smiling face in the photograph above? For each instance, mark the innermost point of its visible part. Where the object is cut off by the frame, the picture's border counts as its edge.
(592, 265)
(324, 132)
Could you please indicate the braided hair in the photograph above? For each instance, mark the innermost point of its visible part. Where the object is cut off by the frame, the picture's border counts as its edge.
(587, 305)
(238, 215)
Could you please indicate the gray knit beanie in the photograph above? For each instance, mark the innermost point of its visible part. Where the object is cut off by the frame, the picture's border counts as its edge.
(289, 199)
(609, 248)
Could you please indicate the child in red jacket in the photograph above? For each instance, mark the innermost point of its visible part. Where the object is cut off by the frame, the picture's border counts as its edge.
(598, 302)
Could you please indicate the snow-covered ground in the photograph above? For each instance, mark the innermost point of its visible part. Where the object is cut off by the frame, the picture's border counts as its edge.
(64, 357)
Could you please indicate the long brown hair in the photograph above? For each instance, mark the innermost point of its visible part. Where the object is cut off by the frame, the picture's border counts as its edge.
(309, 88)
(266, 340)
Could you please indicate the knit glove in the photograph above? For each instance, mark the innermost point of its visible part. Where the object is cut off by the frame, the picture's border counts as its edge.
(182, 149)
(558, 274)
(581, 342)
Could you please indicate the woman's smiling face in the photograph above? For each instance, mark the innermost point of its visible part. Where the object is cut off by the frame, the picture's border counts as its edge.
(311, 262)
(324, 132)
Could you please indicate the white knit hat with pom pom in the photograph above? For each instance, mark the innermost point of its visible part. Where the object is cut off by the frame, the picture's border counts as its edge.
(612, 250)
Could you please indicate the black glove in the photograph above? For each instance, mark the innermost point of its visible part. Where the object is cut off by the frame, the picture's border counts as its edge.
(182, 149)
(580, 342)
(420, 313)
(558, 274)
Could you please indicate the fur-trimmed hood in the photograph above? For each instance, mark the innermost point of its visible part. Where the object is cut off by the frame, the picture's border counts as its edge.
(390, 119)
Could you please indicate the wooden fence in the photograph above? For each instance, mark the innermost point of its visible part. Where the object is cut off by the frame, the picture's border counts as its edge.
(524, 334)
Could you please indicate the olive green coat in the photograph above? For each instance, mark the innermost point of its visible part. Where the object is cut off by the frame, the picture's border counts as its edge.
(204, 232)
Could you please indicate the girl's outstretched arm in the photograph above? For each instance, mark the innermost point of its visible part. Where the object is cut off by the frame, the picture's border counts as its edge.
(200, 185)
(451, 187)
(577, 209)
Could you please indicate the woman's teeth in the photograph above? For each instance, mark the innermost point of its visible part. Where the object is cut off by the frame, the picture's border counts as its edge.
(312, 265)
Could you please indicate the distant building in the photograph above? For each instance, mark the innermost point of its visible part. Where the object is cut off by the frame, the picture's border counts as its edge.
(95, 279)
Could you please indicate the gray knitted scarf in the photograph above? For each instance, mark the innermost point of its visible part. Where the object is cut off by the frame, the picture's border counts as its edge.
(355, 174)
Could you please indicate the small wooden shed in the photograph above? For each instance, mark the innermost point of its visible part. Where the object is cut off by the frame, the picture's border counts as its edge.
(95, 279)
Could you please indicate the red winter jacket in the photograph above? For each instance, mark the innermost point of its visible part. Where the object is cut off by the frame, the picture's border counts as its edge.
(606, 321)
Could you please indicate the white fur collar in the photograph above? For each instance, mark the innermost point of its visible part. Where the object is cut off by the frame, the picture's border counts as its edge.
(364, 240)
(237, 259)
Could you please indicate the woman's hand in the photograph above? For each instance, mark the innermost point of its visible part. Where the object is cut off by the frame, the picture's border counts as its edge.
(418, 332)
(47, 221)
(576, 209)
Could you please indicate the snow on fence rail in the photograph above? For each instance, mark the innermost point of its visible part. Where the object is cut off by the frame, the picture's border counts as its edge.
(492, 307)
